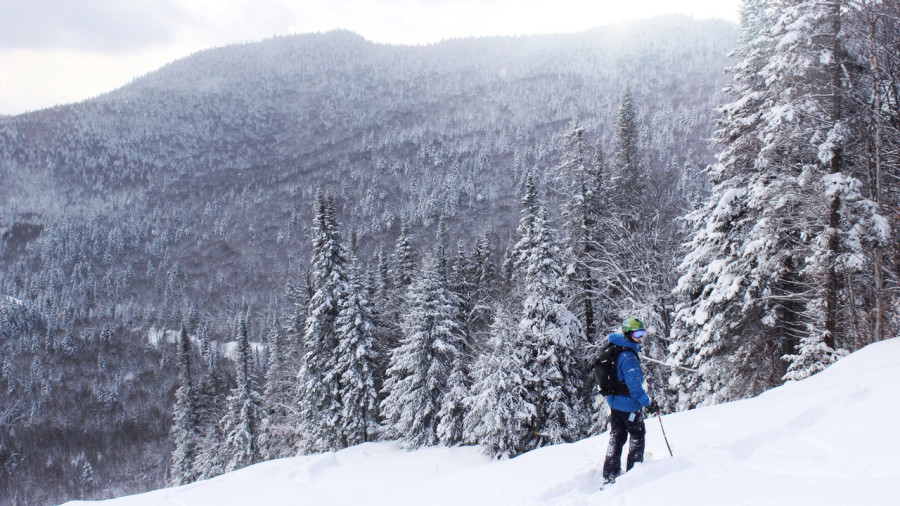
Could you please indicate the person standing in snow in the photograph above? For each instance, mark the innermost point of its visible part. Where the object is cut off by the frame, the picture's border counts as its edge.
(625, 417)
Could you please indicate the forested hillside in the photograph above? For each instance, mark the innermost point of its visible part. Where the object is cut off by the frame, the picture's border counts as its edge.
(314, 241)
(187, 196)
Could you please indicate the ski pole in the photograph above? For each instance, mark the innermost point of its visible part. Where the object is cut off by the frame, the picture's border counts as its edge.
(670, 366)
(658, 417)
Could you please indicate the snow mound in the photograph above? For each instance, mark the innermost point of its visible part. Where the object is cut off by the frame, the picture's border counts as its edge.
(828, 440)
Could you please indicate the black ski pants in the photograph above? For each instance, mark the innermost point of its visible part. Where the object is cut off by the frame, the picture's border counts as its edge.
(624, 424)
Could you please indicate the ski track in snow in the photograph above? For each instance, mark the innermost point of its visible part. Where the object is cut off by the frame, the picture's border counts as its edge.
(828, 440)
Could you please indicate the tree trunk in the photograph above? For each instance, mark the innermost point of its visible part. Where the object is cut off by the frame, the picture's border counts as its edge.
(879, 274)
(832, 279)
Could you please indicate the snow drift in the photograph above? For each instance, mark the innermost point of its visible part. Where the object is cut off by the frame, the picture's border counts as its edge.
(830, 439)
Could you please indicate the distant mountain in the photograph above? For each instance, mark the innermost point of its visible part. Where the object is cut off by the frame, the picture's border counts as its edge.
(188, 192)
(225, 148)
(401, 132)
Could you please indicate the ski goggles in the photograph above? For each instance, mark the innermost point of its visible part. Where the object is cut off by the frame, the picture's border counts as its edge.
(638, 334)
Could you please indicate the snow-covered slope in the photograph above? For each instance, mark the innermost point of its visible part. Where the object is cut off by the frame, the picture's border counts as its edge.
(832, 439)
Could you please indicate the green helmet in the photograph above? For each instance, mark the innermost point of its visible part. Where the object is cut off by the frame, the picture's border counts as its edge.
(632, 324)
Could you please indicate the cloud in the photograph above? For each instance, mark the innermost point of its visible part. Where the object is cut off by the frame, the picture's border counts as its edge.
(109, 26)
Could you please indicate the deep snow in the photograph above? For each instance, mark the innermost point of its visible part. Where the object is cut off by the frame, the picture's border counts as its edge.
(832, 439)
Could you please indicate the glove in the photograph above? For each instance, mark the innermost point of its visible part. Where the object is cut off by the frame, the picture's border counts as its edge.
(653, 407)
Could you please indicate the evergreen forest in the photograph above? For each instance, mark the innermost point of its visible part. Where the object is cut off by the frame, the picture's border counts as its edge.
(306, 243)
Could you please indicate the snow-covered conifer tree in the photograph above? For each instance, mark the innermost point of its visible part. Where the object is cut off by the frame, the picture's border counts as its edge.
(484, 289)
(462, 284)
(384, 307)
(763, 278)
(812, 356)
(299, 296)
(339, 370)
(628, 178)
(808, 114)
(384, 280)
(212, 392)
(184, 427)
(581, 182)
(739, 274)
(873, 33)
(211, 405)
(442, 244)
(393, 302)
(422, 365)
(241, 422)
(848, 228)
(498, 407)
(319, 378)
(517, 256)
(278, 427)
(405, 259)
(551, 340)
(450, 429)
(356, 362)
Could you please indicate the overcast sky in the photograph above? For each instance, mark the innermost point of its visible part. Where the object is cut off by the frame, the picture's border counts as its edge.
(61, 51)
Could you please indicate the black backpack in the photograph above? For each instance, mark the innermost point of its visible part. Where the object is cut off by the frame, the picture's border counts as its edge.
(605, 370)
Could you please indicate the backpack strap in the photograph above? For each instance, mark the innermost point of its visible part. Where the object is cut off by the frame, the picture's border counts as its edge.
(619, 351)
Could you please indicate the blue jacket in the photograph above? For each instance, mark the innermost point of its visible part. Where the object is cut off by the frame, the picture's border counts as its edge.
(629, 372)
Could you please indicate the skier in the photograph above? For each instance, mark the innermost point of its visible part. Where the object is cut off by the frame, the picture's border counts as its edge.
(625, 418)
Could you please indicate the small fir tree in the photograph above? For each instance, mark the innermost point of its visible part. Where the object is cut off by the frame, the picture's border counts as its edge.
(241, 422)
(278, 426)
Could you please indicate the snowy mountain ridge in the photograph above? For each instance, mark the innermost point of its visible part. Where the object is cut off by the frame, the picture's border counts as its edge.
(830, 439)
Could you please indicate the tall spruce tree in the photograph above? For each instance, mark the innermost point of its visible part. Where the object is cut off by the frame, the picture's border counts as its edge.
(185, 433)
(451, 428)
(874, 29)
(422, 365)
(405, 259)
(357, 363)
(581, 179)
(385, 312)
(498, 408)
(806, 114)
(402, 273)
(484, 280)
(241, 422)
(462, 284)
(550, 338)
(741, 272)
(517, 256)
(319, 377)
(212, 391)
(628, 179)
(849, 228)
(339, 372)
(442, 245)
(768, 249)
